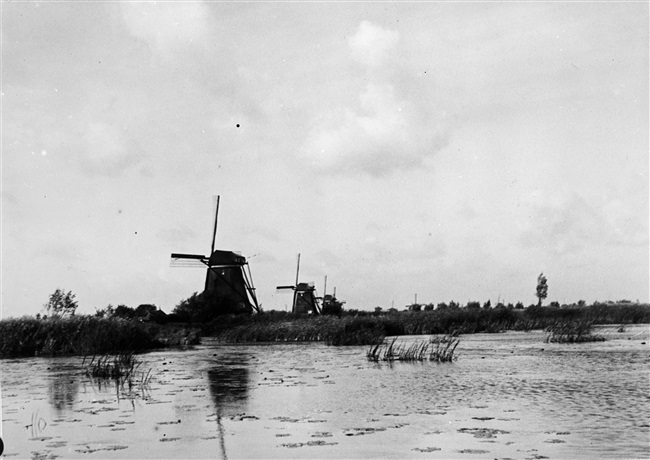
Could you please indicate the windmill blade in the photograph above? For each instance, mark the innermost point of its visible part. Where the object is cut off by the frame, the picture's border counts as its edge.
(191, 263)
(280, 288)
(176, 255)
(188, 260)
(215, 205)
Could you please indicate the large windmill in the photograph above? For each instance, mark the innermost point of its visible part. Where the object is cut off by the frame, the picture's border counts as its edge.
(304, 296)
(228, 279)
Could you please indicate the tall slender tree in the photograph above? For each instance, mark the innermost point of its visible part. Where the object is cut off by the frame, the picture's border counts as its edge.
(542, 289)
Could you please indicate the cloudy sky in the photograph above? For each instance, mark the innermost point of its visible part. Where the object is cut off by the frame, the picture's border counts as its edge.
(451, 151)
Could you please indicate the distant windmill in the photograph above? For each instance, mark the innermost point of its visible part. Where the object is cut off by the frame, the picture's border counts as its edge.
(228, 277)
(304, 295)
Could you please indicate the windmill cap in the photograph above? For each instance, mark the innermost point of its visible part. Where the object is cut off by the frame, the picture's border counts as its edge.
(226, 258)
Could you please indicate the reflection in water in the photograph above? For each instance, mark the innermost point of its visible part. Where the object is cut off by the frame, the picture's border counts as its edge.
(63, 386)
(229, 388)
(229, 382)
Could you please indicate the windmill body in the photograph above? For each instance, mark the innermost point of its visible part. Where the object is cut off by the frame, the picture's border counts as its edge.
(228, 279)
(306, 301)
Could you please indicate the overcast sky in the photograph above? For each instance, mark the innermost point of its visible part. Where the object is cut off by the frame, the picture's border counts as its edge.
(451, 151)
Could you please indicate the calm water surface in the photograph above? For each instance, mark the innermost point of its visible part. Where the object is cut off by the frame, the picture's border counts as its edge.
(507, 396)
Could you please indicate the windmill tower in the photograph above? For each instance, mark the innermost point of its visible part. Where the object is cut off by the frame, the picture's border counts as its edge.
(228, 279)
(304, 295)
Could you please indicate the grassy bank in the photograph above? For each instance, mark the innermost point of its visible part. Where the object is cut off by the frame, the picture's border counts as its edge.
(365, 328)
(85, 335)
(92, 335)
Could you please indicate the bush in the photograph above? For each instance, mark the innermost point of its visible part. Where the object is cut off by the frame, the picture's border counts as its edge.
(205, 307)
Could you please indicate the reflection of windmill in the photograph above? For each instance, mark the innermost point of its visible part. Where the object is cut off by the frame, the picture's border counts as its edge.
(304, 296)
(228, 383)
(228, 279)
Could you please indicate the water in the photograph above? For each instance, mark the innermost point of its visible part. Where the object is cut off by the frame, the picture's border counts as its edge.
(507, 396)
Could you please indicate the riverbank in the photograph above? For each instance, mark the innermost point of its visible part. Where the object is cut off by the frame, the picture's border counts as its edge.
(366, 328)
(89, 335)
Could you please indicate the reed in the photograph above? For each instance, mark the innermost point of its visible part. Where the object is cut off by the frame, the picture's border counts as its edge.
(572, 332)
(122, 368)
(437, 349)
(75, 335)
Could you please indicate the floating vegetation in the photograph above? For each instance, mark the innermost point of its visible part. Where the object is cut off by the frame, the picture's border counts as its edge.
(474, 451)
(572, 332)
(362, 431)
(438, 349)
(485, 433)
(426, 449)
(294, 445)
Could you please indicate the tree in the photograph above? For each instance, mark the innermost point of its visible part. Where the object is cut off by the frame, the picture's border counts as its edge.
(205, 307)
(107, 312)
(123, 311)
(542, 289)
(61, 303)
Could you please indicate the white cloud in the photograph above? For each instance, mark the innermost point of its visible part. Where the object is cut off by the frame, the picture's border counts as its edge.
(385, 134)
(103, 150)
(167, 26)
(568, 225)
(371, 44)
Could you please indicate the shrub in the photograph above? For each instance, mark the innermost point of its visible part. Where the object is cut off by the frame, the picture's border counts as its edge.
(205, 307)
(61, 303)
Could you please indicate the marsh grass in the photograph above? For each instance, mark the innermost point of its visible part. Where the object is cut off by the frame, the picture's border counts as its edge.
(437, 349)
(121, 368)
(367, 328)
(572, 332)
(86, 335)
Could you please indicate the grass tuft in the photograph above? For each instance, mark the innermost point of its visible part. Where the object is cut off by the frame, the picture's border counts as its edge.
(122, 368)
(572, 332)
(438, 349)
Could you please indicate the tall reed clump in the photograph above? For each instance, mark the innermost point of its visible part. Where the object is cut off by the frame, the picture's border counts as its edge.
(576, 331)
(74, 335)
(437, 349)
(122, 367)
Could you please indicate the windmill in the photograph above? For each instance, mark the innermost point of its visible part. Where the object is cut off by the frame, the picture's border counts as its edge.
(304, 295)
(228, 278)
